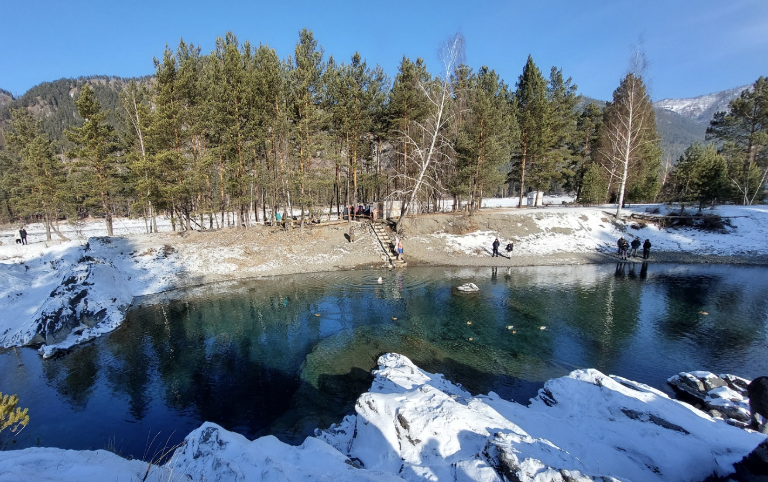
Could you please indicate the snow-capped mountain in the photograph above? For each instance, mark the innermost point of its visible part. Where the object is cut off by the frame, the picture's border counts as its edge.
(701, 108)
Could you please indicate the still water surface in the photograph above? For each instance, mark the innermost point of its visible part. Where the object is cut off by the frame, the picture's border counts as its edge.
(285, 355)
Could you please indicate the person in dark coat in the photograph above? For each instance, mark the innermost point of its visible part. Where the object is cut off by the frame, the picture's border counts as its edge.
(496, 245)
(646, 249)
(635, 244)
(23, 234)
(623, 245)
(510, 247)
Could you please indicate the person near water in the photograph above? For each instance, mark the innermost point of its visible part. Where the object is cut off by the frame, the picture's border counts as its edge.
(23, 234)
(623, 245)
(646, 249)
(399, 249)
(635, 244)
(510, 247)
(496, 245)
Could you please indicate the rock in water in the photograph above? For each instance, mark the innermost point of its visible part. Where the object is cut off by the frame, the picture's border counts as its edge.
(468, 288)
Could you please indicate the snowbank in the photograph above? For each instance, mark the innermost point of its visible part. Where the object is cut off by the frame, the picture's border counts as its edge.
(417, 426)
(542, 232)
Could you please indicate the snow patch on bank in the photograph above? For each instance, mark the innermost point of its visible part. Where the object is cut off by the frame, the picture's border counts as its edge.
(592, 230)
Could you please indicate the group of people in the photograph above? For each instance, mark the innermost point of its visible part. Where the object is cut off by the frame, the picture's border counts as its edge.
(495, 246)
(624, 248)
(21, 238)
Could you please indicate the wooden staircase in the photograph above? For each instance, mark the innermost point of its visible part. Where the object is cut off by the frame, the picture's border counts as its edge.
(388, 254)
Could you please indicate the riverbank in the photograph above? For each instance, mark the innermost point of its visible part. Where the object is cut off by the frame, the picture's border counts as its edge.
(59, 294)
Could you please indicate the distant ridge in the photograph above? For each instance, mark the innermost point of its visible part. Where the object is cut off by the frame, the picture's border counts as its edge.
(703, 107)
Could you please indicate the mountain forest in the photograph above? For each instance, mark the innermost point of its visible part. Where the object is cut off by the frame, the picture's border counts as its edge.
(240, 135)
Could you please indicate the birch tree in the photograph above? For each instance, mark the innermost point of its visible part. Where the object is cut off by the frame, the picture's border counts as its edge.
(630, 141)
(428, 143)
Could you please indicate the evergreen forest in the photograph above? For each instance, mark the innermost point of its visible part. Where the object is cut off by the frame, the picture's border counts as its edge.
(240, 135)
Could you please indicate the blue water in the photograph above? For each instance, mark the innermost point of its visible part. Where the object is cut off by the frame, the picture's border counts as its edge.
(287, 354)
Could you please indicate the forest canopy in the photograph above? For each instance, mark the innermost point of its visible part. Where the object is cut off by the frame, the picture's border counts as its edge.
(238, 135)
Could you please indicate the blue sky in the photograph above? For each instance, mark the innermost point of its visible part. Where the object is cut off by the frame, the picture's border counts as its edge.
(694, 47)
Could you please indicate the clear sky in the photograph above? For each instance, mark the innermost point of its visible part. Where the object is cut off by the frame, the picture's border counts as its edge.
(693, 47)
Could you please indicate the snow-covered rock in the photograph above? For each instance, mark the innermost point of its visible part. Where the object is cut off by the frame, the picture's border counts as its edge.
(724, 396)
(71, 294)
(213, 454)
(587, 426)
(468, 287)
(416, 426)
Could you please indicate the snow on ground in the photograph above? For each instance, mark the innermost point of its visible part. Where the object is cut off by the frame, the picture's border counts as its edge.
(588, 230)
(416, 426)
(60, 294)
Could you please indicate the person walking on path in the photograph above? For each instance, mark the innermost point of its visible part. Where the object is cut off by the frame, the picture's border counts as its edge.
(635, 245)
(496, 245)
(646, 249)
(23, 234)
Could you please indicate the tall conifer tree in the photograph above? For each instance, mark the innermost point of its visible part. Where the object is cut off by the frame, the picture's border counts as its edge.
(484, 143)
(743, 134)
(532, 120)
(39, 182)
(94, 155)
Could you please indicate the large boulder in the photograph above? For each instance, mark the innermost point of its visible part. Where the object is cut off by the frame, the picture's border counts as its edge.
(586, 426)
(723, 397)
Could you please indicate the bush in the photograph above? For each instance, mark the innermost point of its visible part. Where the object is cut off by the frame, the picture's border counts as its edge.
(12, 416)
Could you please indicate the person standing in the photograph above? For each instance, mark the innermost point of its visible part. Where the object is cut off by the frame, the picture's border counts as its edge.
(623, 245)
(23, 234)
(399, 249)
(646, 249)
(635, 245)
(496, 245)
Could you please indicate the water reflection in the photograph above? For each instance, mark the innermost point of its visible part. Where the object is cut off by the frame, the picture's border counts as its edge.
(286, 355)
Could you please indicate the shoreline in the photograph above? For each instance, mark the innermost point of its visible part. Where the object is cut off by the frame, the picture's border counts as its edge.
(77, 290)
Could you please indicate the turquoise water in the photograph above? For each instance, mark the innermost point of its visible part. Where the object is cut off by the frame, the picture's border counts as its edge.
(285, 355)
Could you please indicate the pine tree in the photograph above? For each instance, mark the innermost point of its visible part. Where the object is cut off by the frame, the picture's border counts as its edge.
(94, 155)
(553, 168)
(136, 112)
(356, 96)
(270, 84)
(408, 106)
(484, 143)
(700, 176)
(585, 145)
(38, 184)
(593, 185)
(306, 97)
(743, 135)
(532, 119)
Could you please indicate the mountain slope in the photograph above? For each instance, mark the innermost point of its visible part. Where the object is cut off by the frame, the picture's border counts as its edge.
(682, 122)
(703, 107)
